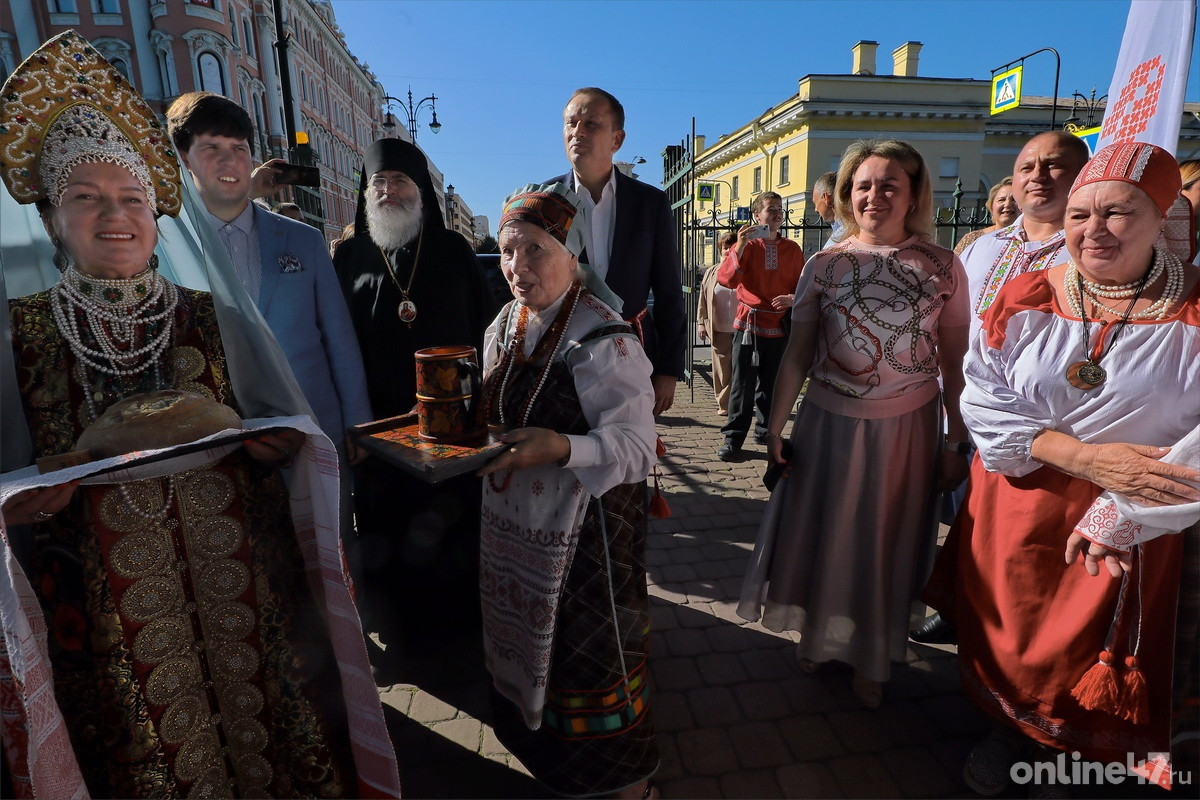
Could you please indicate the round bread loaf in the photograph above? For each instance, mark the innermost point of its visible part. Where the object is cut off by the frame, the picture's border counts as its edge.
(155, 420)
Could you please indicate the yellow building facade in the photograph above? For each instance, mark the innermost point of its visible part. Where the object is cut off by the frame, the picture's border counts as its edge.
(787, 147)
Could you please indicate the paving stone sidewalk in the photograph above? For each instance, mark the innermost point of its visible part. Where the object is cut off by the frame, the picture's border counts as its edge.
(736, 715)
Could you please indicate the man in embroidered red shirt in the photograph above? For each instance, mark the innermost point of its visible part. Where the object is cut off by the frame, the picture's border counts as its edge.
(764, 270)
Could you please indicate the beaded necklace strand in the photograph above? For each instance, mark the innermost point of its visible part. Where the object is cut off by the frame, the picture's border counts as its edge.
(516, 349)
(1075, 287)
(115, 310)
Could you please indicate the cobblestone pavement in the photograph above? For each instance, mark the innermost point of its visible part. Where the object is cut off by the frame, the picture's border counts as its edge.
(736, 716)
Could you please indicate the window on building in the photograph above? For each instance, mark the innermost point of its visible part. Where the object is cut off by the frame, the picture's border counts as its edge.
(258, 116)
(205, 3)
(734, 190)
(233, 27)
(248, 35)
(105, 6)
(948, 167)
(121, 66)
(62, 6)
(211, 79)
(784, 169)
(164, 72)
(303, 87)
(716, 195)
(757, 180)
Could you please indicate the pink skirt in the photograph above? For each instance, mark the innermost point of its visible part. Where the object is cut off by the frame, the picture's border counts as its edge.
(848, 536)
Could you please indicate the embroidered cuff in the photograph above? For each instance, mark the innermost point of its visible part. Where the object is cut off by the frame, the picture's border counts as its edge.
(1104, 525)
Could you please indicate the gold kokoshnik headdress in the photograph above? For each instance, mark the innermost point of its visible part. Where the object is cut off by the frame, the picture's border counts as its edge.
(66, 105)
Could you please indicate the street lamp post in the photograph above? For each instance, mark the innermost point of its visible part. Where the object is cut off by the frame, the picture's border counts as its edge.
(411, 110)
(1091, 106)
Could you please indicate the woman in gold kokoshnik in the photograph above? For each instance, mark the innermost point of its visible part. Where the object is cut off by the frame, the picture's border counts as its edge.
(193, 643)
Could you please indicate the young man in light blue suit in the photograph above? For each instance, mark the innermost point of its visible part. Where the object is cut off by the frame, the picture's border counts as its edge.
(283, 264)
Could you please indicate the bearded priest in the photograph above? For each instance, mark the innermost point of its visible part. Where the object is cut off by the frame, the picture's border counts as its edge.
(410, 284)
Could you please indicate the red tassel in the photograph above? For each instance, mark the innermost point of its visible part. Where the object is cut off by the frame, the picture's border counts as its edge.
(1097, 690)
(658, 504)
(1135, 706)
(660, 449)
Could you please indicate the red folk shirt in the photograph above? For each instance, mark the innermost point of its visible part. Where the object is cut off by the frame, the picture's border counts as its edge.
(766, 269)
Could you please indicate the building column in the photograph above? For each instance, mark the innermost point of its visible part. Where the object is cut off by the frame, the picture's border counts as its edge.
(268, 61)
(149, 78)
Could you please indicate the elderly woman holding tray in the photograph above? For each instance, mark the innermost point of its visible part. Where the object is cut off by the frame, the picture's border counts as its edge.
(1084, 376)
(562, 568)
(174, 635)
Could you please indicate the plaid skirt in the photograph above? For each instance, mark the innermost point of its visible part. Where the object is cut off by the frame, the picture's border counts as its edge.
(596, 737)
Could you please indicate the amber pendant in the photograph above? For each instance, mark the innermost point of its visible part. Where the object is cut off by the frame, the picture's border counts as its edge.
(407, 311)
(1086, 375)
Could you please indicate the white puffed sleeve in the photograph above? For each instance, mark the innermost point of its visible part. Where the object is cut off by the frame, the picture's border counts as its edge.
(1002, 422)
(612, 378)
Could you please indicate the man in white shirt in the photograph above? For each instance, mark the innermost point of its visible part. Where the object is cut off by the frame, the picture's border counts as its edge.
(632, 244)
(1042, 176)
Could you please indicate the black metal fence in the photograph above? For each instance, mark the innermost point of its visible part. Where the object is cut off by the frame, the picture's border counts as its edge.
(697, 232)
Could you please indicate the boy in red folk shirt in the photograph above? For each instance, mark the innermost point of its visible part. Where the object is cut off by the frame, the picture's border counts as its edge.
(764, 268)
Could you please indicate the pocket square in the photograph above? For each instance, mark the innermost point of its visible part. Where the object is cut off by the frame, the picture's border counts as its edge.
(289, 263)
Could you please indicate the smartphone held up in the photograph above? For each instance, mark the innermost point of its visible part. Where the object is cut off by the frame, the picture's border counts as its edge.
(298, 175)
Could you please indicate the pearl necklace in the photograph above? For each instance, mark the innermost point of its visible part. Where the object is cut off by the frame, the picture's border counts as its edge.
(156, 514)
(115, 311)
(1123, 291)
(1075, 286)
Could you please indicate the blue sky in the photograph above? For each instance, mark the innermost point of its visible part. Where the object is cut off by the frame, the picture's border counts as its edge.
(502, 71)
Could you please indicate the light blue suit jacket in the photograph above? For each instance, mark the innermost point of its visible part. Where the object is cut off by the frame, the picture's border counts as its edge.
(302, 301)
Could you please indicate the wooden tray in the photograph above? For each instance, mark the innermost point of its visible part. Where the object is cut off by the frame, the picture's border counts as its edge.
(395, 441)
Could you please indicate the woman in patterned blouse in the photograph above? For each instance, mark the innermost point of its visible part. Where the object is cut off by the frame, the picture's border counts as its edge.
(878, 320)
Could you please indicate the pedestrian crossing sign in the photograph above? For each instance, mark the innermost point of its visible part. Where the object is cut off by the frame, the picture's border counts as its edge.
(704, 192)
(1089, 136)
(1006, 90)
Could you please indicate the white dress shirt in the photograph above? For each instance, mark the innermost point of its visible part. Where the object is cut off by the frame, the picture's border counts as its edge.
(602, 218)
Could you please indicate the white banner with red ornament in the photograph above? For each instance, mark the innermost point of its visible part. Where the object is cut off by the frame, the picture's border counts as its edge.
(1145, 99)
